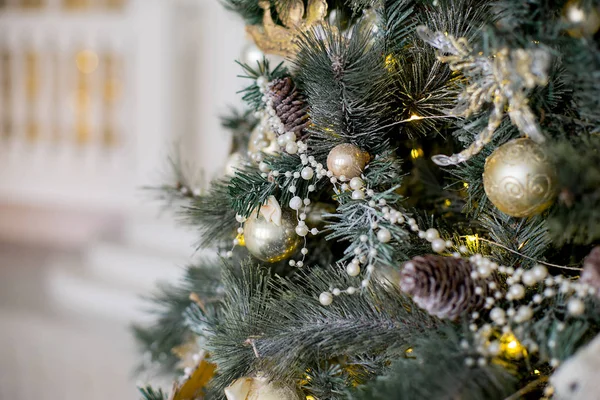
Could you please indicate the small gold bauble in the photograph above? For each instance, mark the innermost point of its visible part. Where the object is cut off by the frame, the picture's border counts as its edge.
(234, 162)
(262, 140)
(519, 179)
(583, 21)
(260, 388)
(347, 160)
(268, 241)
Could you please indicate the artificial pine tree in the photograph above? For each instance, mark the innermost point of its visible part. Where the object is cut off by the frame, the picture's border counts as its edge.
(420, 194)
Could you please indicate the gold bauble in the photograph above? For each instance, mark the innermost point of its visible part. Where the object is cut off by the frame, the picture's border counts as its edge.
(259, 388)
(268, 241)
(583, 21)
(347, 160)
(519, 179)
(235, 162)
(262, 140)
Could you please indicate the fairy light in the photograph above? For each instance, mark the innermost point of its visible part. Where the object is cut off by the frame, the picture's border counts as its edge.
(389, 61)
(414, 117)
(465, 185)
(510, 346)
(536, 371)
(416, 153)
(447, 203)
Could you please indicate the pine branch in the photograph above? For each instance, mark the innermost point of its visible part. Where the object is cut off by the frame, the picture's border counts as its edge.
(413, 377)
(168, 306)
(252, 95)
(277, 326)
(211, 216)
(148, 393)
(576, 219)
(344, 80)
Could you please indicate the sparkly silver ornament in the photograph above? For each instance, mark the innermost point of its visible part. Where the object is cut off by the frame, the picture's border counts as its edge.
(269, 241)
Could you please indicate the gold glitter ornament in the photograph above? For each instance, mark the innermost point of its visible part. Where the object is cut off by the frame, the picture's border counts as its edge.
(519, 179)
(583, 21)
(347, 160)
(270, 234)
(262, 140)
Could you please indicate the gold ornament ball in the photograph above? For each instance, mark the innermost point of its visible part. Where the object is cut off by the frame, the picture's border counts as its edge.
(519, 179)
(259, 388)
(262, 139)
(270, 242)
(583, 21)
(347, 160)
(234, 162)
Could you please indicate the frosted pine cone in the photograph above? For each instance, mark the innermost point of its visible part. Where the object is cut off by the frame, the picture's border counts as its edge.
(289, 105)
(443, 285)
(591, 269)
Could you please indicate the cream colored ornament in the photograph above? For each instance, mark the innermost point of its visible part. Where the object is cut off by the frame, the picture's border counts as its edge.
(270, 234)
(282, 39)
(262, 140)
(234, 162)
(577, 377)
(347, 160)
(259, 389)
(583, 21)
(519, 179)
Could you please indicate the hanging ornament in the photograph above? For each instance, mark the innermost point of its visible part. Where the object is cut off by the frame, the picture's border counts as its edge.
(591, 270)
(443, 286)
(282, 39)
(262, 140)
(289, 105)
(235, 161)
(259, 388)
(519, 179)
(577, 377)
(193, 386)
(270, 234)
(583, 21)
(347, 160)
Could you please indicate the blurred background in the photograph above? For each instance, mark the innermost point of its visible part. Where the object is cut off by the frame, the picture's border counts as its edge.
(94, 96)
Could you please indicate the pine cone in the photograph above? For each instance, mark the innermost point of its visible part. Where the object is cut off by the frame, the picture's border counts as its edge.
(290, 106)
(591, 269)
(443, 285)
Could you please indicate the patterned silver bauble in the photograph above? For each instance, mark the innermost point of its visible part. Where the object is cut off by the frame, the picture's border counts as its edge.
(519, 179)
(347, 160)
(268, 241)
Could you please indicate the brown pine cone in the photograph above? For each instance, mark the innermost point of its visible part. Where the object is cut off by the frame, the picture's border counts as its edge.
(591, 269)
(290, 106)
(443, 285)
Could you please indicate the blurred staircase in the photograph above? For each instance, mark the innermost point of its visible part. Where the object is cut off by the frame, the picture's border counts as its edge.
(65, 317)
(111, 275)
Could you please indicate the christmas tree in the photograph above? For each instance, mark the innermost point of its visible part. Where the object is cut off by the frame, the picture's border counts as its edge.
(409, 212)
